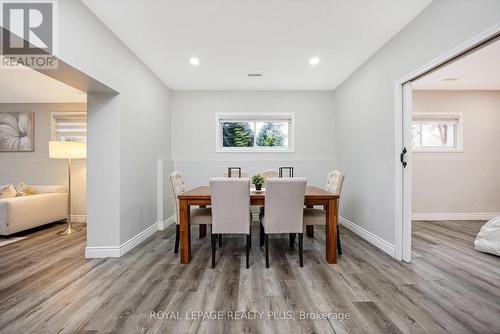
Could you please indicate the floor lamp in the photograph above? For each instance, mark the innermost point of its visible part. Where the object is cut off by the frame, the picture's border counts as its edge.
(68, 150)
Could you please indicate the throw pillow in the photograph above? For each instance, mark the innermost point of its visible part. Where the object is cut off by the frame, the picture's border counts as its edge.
(23, 189)
(8, 192)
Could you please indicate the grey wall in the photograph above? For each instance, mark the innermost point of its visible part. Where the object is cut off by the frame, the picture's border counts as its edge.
(36, 167)
(364, 107)
(127, 132)
(194, 127)
(466, 182)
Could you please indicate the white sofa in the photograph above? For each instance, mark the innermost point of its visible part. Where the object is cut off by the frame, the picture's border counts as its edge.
(48, 204)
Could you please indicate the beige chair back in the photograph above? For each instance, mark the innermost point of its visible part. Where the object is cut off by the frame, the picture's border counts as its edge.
(178, 187)
(334, 182)
(269, 173)
(235, 174)
(284, 205)
(230, 205)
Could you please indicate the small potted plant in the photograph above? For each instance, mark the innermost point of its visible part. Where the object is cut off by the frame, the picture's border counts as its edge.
(259, 181)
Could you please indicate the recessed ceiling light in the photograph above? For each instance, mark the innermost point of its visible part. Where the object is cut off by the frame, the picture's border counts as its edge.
(450, 79)
(314, 61)
(194, 61)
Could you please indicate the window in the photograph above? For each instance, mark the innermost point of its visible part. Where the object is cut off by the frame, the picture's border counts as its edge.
(436, 132)
(69, 126)
(238, 132)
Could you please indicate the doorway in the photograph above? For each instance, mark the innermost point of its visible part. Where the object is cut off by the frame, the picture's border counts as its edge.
(404, 120)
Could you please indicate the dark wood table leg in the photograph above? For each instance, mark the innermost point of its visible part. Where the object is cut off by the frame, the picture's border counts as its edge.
(203, 231)
(331, 231)
(202, 228)
(185, 231)
(310, 228)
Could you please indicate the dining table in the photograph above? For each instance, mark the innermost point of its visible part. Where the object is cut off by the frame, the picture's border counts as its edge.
(200, 196)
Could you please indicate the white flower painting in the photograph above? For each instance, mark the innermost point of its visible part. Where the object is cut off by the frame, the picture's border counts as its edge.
(16, 132)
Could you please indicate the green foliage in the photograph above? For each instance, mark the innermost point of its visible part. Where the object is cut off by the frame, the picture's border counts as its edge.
(237, 134)
(258, 180)
(270, 135)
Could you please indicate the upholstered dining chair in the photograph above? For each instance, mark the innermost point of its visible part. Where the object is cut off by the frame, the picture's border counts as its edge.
(230, 200)
(312, 216)
(283, 210)
(198, 216)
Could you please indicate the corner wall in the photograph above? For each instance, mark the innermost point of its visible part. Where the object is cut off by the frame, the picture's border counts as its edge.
(364, 107)
(127, 132)
(194, 126)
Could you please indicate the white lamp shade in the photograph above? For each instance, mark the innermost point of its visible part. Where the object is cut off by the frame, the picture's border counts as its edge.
(67, 150)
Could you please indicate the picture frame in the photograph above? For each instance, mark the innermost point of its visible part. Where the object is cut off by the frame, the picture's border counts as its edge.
(17, 131)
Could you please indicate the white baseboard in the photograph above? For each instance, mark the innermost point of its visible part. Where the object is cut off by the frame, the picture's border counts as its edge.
(117, 251)
(102, 252)
(79, 218)
(368, 236)
(455, 216)
(164, 224)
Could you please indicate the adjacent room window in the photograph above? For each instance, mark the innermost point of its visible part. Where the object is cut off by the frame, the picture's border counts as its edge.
(436, 132)
(69, 126)
(237, 132)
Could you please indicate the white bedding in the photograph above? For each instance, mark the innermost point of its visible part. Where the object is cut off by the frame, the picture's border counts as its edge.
(488, 239)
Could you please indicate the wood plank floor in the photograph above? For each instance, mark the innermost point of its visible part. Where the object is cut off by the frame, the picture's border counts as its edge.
(46, 286)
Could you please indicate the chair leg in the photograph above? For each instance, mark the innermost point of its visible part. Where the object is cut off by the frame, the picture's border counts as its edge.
(292, 239)
(214, 243)
(202, 230)
(261, 235)
(248, 250)
(339, 246)
(310, 231)
(220, 240)
(177, 237)
(301, 249)
(266, 241)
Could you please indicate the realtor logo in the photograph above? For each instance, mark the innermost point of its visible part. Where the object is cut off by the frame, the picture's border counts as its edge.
(28, 32)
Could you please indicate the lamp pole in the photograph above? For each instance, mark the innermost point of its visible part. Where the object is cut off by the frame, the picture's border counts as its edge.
(69, 229)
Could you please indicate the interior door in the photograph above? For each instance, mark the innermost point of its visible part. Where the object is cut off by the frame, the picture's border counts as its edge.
(406, 165)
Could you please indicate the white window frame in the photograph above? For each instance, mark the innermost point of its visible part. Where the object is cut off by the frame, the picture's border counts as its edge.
(53, 116)
(241, 116)
(459, 136)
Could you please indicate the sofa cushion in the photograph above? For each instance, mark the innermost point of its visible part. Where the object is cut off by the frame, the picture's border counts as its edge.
(24, 189)
(8, 192)
(3, 187)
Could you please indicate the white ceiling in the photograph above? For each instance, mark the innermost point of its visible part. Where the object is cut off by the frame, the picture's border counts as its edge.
(24, 85)
(477, 71)
(274, 37)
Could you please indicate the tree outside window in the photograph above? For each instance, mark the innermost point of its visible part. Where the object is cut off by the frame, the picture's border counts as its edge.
(271, 134)
(237, 134)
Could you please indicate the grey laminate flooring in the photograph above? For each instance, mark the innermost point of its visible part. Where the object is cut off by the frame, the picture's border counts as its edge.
(46, 286)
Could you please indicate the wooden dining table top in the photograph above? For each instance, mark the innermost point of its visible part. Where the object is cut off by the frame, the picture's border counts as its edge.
(203, 193)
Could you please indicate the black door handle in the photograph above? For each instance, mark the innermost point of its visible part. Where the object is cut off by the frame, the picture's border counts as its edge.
(402, 157)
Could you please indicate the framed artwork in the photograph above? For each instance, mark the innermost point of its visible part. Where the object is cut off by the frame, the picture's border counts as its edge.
(17, 132)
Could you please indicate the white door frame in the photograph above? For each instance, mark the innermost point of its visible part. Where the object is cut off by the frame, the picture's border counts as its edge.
(402, 88)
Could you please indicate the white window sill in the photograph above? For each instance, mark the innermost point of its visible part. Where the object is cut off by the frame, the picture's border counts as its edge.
(437, 150)
(259, 150)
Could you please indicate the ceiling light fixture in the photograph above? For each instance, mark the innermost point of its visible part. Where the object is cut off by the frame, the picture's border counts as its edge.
(194, 61)
(314, 61)
(450, 79)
